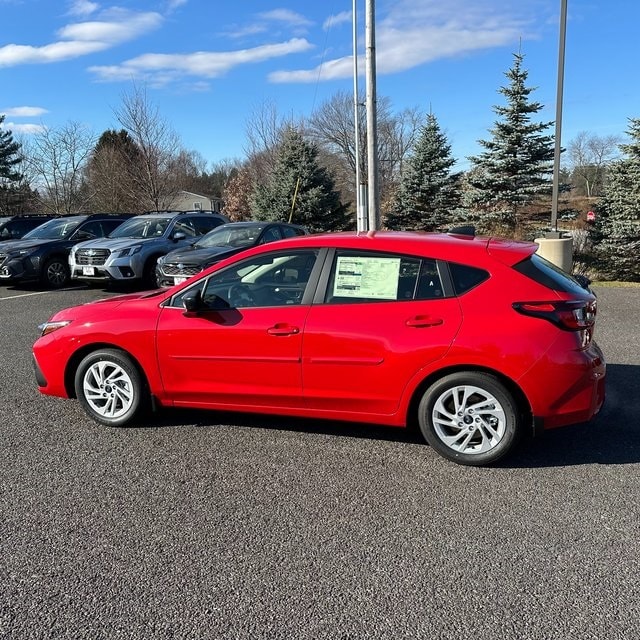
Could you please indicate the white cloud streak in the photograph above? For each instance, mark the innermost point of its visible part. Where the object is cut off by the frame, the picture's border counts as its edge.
(24, 112)
(337, 19)
(417, 32)
(28, 129)
(83, 8)
(82, 38)
(160, 68)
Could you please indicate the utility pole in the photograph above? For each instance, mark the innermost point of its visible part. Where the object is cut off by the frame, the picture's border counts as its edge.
(558, 125)
(361, 210)
(372, 126)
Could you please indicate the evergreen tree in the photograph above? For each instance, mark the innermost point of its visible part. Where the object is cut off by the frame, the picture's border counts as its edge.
(12, 192)
(429, 193)
(9, 156)
(300, 190)
(517, 164)
(616, 233)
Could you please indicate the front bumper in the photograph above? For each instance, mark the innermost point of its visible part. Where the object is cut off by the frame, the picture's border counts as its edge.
(114, 269)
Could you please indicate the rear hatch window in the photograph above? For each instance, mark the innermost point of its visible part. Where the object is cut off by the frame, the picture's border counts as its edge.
(548, 274)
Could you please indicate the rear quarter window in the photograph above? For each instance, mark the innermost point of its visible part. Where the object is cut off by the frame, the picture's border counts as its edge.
(465, 278)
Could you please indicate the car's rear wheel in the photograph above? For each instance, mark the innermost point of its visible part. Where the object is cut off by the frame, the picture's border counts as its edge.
(55, 273)
(109, 387)
(470, 418)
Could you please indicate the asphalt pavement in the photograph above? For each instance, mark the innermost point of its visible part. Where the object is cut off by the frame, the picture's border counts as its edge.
(208, 525)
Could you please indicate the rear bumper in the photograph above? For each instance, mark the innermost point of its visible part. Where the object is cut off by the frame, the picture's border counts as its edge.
(573, 391)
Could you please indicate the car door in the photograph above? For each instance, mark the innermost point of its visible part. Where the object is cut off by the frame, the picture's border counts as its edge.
(382, 319)
(248, 354)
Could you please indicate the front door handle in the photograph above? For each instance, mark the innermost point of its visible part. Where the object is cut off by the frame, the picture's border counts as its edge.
(283, 329)
(424, 321)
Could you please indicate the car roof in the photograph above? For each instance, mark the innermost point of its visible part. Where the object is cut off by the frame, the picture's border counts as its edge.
(444, 246)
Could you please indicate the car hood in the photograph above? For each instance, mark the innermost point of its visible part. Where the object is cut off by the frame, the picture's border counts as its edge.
(195, 256)
(88, 310)
(114, 244)
(17, 245)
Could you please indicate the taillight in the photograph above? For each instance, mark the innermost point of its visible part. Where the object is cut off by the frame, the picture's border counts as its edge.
(570, 315)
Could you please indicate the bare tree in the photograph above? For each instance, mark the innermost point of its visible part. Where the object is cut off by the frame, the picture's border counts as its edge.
(157, 144)
(589, 156)
(332, 127)
(55, 162)
(265, 131)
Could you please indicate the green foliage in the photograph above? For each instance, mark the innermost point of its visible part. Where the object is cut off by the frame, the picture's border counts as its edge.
(9, 155)
(516, 166)
(300, 190)
(428, 194)
(12, 192)
(616, 233)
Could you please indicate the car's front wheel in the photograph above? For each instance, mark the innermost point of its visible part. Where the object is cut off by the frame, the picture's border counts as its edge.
(55, 273)
(109, 387)
(470, 418)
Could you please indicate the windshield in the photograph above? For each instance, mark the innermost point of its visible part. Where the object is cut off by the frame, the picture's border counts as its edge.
(141, 228)
(241, 236)
(54, 229)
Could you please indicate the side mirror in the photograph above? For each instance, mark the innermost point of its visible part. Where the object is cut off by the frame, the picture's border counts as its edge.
(179, 235)
(192, 302)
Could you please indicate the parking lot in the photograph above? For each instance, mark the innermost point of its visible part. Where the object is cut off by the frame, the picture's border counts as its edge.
(209, 525)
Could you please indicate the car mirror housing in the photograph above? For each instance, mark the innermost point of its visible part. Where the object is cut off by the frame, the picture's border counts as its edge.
(179, 235)
(194, 304)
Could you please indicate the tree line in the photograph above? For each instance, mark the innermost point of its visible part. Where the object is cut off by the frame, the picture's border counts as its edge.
(302, 170)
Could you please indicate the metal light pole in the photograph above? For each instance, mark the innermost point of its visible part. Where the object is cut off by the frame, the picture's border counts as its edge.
(372, 126)
(361, 214)
(558, 126)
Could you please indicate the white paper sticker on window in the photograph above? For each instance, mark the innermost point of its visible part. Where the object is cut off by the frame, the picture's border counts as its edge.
(366, 277)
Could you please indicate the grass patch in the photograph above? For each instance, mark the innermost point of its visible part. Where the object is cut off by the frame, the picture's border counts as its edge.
(614, 283)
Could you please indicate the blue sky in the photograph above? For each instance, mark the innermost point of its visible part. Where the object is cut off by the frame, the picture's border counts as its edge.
(209, 64)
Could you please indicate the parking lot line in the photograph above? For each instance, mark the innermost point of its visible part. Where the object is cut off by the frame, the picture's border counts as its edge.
(38, 293)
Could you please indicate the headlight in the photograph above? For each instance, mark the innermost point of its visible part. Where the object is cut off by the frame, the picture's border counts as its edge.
(129, 251)
(50, 327)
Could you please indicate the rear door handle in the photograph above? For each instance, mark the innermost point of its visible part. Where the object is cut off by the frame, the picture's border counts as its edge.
(424, 321)
(282, 329)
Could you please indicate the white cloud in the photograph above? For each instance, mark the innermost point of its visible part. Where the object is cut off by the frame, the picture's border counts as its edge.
(161, 68)
(417, 32)
(172, 5)
(24, 128)
(335, 20)
(82, 38)
(83, 8)
(286, 16)
(24, 112)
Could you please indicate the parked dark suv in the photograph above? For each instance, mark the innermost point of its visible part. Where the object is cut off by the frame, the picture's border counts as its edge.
(43, 253)
(131, 253)
(14, 227)
(225, 241)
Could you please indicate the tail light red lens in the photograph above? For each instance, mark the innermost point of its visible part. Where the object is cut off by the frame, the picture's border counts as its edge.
(570, 315)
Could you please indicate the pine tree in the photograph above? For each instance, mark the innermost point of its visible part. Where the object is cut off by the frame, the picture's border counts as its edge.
(300, 190)
(616, 233)
(12, 192)
(9, 156)
(429, 193)
(517, 165)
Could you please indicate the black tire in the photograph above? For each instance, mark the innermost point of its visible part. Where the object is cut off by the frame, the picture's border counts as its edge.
(470, 418)
(55, 273)
(149, 276)
(110, 388)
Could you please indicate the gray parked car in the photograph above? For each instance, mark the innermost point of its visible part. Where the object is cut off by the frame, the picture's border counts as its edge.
(132, 251)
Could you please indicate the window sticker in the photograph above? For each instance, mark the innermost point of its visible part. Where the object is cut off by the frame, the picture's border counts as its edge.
(366, 277)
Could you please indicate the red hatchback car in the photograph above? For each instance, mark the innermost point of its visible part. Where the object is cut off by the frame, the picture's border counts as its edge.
(478, 340)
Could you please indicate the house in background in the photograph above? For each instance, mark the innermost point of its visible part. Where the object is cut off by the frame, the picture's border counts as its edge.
(188, 201)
